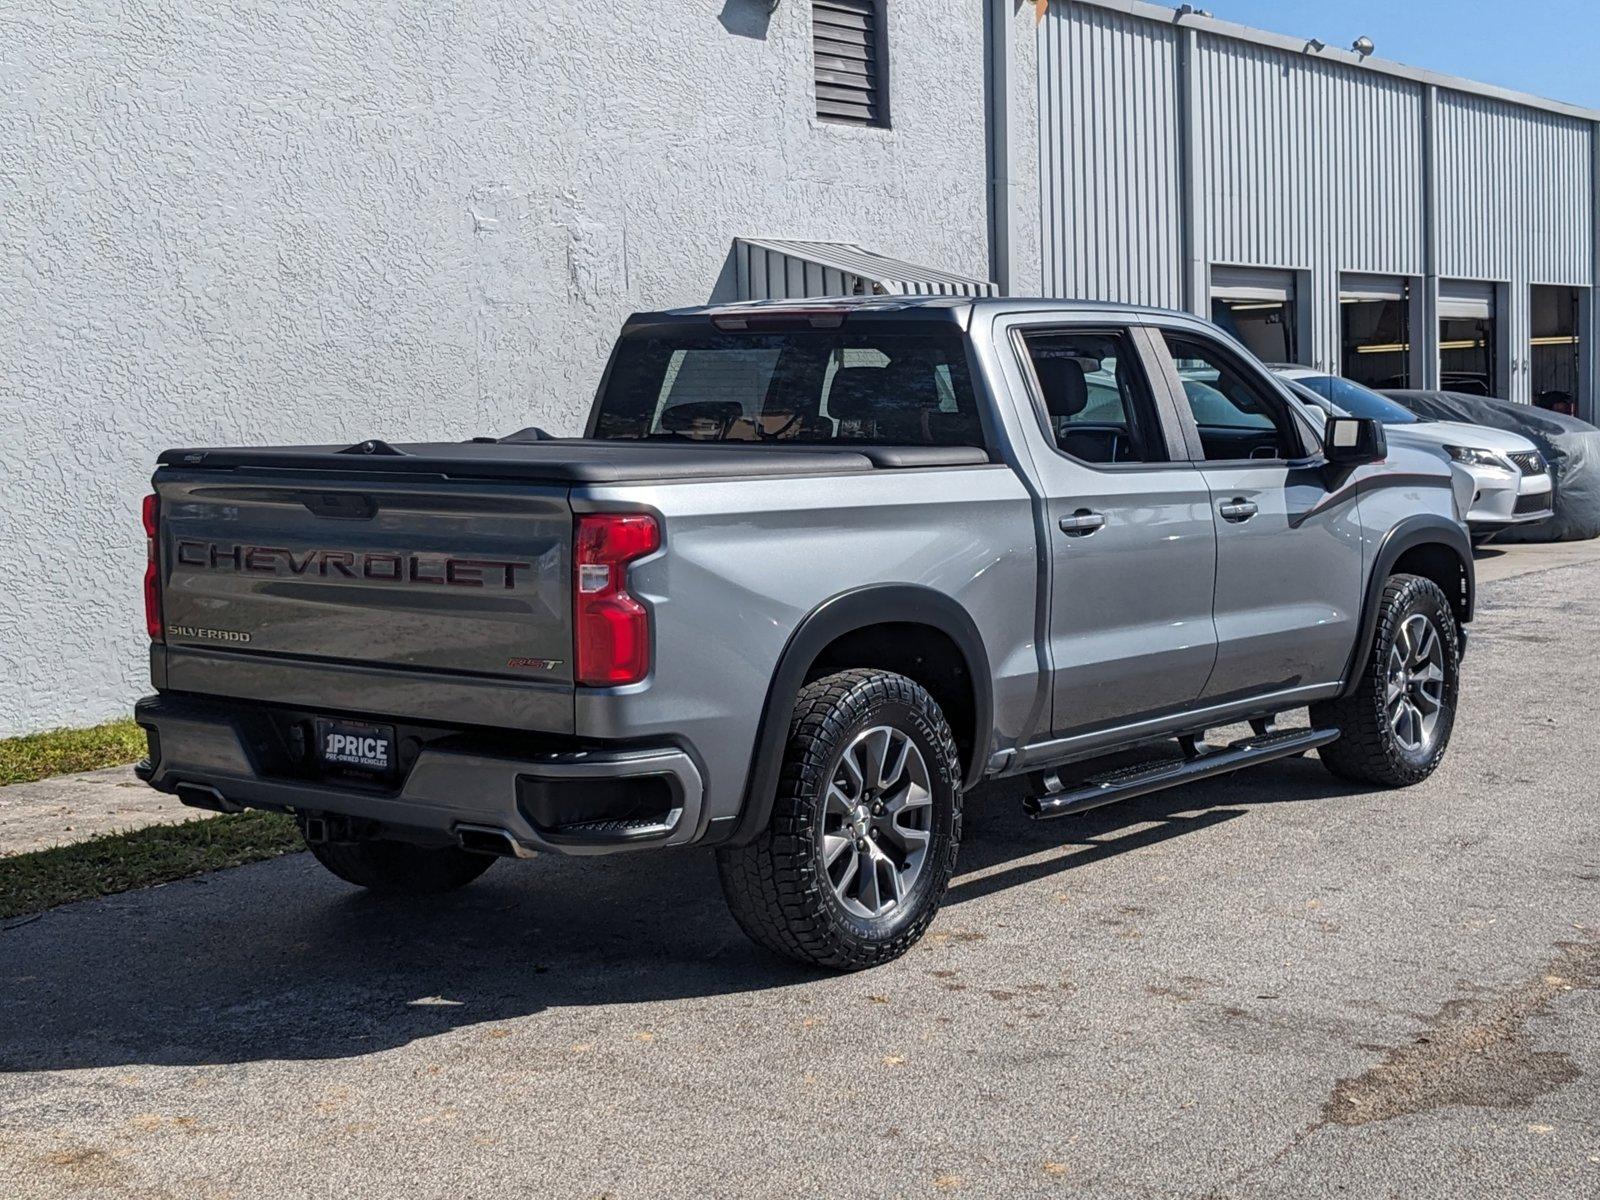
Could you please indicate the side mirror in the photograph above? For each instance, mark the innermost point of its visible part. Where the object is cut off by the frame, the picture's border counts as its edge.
(1352, 441)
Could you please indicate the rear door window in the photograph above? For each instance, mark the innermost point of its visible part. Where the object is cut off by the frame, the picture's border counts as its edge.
(1095, 401)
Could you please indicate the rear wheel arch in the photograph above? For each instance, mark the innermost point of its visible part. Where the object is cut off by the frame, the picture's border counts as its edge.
(905, 629)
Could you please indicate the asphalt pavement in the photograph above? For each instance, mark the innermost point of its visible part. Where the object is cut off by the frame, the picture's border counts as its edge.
(1270, 985)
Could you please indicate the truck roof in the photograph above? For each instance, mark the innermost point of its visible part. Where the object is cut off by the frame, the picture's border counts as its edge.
(959, 309)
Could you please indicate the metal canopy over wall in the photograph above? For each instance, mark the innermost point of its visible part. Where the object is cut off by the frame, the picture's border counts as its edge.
(789, 270)
(1172, 144)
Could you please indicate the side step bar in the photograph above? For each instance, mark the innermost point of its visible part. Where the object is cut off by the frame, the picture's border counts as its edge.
(1199, 762)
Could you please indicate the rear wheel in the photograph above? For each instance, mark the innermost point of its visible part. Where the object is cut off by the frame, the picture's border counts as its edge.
(1396, 726)
(865, 826)
(399, 868)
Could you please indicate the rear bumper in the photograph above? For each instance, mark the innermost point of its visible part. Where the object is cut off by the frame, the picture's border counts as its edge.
(213, 756)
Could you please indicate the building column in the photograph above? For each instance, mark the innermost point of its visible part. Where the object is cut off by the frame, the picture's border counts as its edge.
(1192, 182)
(1589, 311)
(1425, 331)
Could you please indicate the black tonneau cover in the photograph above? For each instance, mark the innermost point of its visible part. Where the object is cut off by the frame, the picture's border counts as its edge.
(576, 460)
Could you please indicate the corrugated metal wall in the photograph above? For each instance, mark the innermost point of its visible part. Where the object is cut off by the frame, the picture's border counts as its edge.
(1109, 158)
(1307, 165)
(1295, 162)
(1510, 179)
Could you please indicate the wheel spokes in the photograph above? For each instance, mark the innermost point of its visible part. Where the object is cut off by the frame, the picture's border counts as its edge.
(871, 753)
(877, 821)
(834, 845)
(1423, 639)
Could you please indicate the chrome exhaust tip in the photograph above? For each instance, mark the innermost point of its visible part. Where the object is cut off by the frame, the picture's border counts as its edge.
(204, 796)
(490, 839)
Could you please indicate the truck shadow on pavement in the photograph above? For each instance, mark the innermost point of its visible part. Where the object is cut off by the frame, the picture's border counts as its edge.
(281, 961)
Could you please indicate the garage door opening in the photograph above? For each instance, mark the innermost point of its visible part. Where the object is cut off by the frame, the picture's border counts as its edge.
(1375, 330)
(1553, 354)
(1468, 338)
(1258, 308)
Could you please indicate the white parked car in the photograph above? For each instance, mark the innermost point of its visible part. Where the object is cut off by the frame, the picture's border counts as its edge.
(1512, 484)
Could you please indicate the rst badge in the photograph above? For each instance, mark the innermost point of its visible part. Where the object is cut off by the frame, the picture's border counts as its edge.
(535, 664)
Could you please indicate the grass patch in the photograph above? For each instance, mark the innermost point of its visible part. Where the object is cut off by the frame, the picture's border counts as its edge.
(65, 751)
(119, 862)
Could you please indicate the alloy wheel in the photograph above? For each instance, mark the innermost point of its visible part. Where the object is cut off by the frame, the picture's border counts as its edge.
(1414, 691)
(877, 821)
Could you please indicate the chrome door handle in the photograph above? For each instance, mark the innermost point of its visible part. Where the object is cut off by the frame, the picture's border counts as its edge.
(1081, 523)
(1237, 510)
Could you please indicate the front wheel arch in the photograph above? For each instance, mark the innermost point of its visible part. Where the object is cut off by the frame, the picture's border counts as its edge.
(1428, 545)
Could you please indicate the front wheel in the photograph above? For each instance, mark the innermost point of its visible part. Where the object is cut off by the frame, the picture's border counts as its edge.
(865, 826)
(1395, 726)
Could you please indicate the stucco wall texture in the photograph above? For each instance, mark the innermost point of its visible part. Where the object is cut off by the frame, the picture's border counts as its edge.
(279, 223)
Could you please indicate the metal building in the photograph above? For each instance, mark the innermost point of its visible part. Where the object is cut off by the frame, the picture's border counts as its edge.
(434, 228)
(1391, 224)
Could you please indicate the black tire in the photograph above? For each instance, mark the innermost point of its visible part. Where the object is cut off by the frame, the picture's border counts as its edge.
(779, 887)
(401, 869)
(1369, 750)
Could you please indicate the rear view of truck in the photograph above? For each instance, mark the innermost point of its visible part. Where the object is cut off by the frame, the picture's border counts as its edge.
(434, 654)
(387, 642)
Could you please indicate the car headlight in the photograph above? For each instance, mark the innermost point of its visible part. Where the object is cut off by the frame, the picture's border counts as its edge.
(1477, 458)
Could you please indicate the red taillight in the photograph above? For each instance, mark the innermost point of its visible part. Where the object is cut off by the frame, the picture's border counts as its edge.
(611, 629)
(152, 574)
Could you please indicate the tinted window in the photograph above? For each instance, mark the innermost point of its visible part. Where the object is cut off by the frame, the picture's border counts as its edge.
(1238, 418)
(1096, 402)
(1353, 400)
(806, 387)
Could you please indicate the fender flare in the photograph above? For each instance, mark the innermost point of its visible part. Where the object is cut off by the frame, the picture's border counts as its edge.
(1421, 529)
(841, 614)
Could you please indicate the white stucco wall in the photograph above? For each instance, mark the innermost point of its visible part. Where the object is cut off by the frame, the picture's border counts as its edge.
(272, 223)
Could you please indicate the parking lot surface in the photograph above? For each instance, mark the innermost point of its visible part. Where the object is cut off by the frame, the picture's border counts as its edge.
(1269, 985)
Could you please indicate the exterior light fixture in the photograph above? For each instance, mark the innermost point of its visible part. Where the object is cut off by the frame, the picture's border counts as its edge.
(1363, 46)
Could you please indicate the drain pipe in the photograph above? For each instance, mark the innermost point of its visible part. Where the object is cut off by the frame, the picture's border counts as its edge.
(997, 128)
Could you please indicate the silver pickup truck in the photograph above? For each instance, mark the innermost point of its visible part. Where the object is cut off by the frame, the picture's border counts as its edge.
(812, 572)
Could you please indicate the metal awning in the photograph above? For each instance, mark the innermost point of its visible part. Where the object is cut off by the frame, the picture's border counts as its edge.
(789, 270)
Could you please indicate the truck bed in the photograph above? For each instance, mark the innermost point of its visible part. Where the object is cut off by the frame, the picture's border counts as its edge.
(576, 460)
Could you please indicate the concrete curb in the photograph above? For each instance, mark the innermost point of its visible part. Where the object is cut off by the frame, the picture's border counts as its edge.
(73, 808)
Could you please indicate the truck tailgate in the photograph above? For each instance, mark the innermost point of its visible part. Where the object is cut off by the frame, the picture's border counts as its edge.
(424, 577)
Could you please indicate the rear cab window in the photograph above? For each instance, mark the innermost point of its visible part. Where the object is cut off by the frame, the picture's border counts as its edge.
(901, 384)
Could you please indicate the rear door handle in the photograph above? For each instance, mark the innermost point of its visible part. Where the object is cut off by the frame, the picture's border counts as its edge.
(1081, 523)
(1237, 510)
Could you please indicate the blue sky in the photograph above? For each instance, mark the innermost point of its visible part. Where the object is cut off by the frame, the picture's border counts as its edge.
(1548, 47)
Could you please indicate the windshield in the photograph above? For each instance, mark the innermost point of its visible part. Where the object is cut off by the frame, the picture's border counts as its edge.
(1353, 400)
(799, 387)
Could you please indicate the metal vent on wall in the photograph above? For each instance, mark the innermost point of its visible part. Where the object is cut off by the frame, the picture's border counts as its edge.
(849, 54)
(774, 269)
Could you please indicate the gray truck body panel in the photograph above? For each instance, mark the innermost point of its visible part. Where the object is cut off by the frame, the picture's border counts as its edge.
(431, 587)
